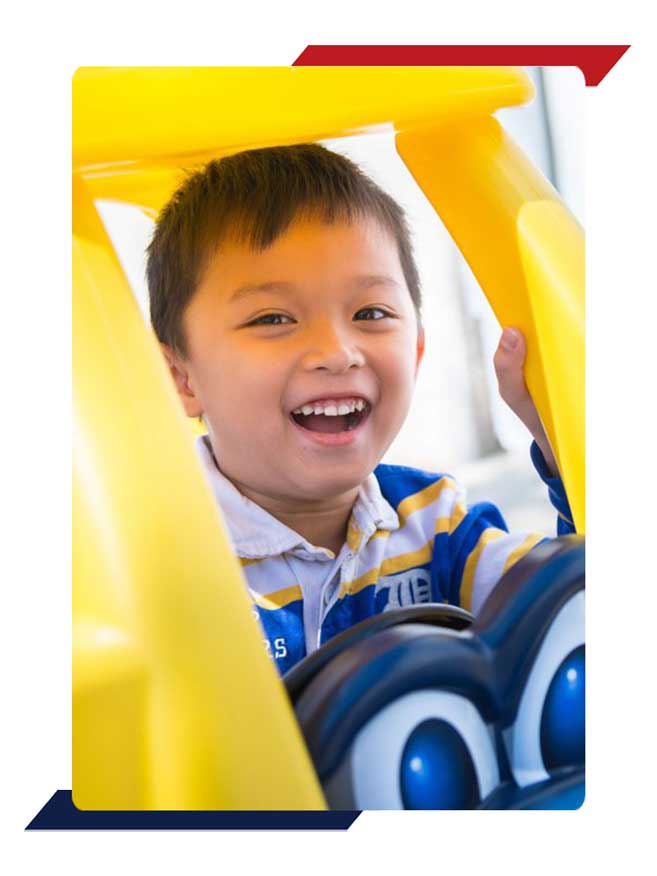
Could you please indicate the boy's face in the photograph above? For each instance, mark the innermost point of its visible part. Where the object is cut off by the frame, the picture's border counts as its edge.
(283, 342)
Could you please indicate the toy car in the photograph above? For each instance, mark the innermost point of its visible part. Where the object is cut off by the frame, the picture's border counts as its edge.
(175, 703)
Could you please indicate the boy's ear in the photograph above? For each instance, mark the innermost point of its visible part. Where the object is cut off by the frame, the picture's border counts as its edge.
(180, 375)
(420, 349)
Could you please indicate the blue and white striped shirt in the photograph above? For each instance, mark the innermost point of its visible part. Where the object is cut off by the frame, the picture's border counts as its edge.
(411, 538)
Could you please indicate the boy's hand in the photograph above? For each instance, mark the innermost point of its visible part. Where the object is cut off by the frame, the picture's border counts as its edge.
(509, 364)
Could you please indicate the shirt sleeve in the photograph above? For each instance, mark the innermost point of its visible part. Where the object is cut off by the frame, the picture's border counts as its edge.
(481, 549)
(556, 491)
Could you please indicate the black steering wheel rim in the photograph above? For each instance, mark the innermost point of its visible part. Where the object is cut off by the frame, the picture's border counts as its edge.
(433, 614)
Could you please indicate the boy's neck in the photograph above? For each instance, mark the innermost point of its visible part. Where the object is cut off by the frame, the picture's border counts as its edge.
(323, 523)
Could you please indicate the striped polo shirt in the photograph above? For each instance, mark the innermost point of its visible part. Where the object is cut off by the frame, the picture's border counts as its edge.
(411, 538)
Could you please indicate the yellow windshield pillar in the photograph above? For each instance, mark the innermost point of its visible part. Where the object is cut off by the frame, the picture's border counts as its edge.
(527, 252)
(175, 702)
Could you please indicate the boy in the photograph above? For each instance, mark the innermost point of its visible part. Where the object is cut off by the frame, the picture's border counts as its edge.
(285, 296)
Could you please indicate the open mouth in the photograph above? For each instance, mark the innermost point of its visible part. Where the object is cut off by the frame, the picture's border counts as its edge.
(332, 415)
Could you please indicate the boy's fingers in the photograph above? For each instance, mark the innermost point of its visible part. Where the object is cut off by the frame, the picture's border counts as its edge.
(509, 366)
(509, 361)
(512, 341)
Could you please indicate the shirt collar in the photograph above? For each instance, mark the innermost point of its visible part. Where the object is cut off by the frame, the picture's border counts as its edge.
(256, 534)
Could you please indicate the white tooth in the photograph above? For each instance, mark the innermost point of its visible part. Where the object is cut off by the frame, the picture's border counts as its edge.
(319, 409)
(307, 409)
(360, 404)
(330, 411)
(344, 409)
(297, 411)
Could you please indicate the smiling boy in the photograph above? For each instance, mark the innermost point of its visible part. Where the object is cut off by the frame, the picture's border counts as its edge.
(285, 295)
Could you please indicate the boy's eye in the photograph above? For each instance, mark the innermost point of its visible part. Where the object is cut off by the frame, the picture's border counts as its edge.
(271, 319)
(370, 313)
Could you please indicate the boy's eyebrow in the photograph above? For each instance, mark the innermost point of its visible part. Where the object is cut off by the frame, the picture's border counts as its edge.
(362, 281)
(273, 286)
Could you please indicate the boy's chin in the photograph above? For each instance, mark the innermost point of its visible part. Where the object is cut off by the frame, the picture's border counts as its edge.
(318, 487)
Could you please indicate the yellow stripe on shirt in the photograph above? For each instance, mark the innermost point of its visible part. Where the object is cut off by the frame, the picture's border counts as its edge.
(415, 558)
(407, 561)
(449, 524)
(351, 587)
(354, 536)
(467, 581)
(531, 541)
(277, 599)
(388, 567)
(423, 498)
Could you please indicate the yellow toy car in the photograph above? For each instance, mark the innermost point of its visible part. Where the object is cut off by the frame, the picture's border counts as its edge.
(171, 686)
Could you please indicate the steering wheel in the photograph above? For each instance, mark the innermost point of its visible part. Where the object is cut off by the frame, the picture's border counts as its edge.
(433, 614)
(412, 708)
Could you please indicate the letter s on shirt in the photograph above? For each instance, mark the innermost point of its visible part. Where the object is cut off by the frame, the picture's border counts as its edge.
(280, 648)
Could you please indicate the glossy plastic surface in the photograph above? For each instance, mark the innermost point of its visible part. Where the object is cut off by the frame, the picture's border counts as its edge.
(175, 702)
(527, 252)
(128, 116)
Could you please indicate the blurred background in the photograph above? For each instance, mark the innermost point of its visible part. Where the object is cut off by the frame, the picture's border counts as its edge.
(457, 423)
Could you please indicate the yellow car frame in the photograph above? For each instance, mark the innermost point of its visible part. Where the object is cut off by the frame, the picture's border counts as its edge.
(175, 702)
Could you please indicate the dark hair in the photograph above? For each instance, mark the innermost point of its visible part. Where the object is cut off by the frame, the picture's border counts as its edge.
(253, 197)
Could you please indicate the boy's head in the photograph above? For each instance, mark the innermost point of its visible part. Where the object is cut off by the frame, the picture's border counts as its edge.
(284, 292)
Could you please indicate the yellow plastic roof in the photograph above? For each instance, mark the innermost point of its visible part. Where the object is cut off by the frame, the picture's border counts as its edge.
(125, 117)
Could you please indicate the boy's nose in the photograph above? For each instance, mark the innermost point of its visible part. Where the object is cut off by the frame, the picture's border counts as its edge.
(332, 351)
